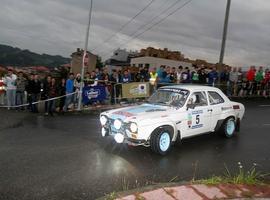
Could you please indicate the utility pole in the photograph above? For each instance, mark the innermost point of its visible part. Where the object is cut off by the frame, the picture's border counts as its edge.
(224, 38)
(84, 54)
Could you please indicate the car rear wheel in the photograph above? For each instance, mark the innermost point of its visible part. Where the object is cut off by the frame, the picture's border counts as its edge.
(229, 127)
(160, 141)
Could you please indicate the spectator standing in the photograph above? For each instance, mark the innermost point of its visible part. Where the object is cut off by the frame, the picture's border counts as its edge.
(202, 76)
(179, 74)
(69, 91)
(52, 94)
(233, 79)
(266, 83)
(173, 75)
(33, 90)
(62, 92)
(45, 92)
(153, 76)
(185, 76)
(224, 76)
(240, 83)
(10, 82)
(195, 75)
(250, 78)
(21, 87)
(126, 77)
(114, 79)
(87, 79)
(93, 79)
(259, 76)
(212, 76)
(77, 85)
(2, 91)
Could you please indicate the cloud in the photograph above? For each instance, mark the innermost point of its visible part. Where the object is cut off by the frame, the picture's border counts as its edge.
(59, 26)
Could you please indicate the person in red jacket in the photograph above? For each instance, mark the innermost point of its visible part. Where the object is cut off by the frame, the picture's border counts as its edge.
(250, 79)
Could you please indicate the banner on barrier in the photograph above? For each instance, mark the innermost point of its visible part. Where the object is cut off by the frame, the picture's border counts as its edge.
(135, 90)
(93, 94)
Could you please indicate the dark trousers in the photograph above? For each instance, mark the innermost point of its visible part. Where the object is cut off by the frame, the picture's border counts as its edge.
(33, 98)
(51, 105)
(62, 103)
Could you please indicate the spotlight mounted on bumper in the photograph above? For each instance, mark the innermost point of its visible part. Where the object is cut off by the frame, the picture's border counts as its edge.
(119, 138)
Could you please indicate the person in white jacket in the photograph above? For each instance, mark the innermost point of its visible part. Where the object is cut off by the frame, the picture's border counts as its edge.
(10, 82)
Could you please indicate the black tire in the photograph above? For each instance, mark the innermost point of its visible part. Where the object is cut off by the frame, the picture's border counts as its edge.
(155, 140)
(228, 129)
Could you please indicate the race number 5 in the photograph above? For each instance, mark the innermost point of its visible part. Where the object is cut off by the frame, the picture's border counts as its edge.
(197, 119)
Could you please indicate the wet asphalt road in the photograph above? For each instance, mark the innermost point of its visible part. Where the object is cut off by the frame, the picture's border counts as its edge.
(65, 157)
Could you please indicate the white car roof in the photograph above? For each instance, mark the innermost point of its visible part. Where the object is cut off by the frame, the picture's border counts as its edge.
(192, 88)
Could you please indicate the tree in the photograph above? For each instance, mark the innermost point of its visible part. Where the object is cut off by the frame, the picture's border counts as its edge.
(99, 63)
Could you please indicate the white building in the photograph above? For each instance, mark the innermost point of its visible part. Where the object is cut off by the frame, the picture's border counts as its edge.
(157, 62)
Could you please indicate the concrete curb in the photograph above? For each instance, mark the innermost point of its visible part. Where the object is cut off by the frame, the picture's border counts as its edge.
(189, 191)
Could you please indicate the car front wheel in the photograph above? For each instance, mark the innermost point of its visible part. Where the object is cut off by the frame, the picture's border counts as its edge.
(229, 127)
(160, 141)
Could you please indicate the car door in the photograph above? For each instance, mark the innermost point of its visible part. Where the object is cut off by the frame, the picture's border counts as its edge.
(216, 103)
(198, 118)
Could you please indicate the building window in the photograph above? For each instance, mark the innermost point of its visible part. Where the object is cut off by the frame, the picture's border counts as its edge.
(140, 65)
(147, 65)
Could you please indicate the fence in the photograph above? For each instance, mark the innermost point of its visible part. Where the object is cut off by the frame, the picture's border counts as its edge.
(136, 91)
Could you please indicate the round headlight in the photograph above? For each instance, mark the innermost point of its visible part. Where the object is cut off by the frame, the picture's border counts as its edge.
(117, 124)
(133, 127)
(103, 120)
(119, 138)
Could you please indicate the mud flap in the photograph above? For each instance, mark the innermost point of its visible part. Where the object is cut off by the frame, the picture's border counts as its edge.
(237, 128)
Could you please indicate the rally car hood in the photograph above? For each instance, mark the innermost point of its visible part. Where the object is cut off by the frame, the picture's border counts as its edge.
(138, 112)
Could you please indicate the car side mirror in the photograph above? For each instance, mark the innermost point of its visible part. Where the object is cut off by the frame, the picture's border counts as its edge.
(191, 106)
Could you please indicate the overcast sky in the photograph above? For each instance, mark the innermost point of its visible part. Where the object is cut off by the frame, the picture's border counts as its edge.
(59, 26)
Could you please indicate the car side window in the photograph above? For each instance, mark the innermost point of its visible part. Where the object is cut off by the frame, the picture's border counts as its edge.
(198, 99)
(215, 98)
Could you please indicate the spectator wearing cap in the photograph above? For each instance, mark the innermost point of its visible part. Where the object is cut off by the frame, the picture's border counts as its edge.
(21, 88)
(10, 82)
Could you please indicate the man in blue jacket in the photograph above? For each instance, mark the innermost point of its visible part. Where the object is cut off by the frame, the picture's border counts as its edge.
(69, 90)
(212, 77)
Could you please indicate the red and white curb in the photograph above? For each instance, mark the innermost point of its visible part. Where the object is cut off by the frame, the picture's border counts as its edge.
(203, 192)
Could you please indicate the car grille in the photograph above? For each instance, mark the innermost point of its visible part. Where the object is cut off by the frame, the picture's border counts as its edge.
(113, 130)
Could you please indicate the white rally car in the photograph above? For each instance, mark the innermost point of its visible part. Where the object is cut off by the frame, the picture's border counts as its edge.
(171, 113)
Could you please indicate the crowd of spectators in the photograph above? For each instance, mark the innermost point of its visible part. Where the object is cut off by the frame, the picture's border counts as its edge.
(63, 94)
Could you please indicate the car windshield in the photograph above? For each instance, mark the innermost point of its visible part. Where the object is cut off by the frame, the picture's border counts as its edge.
(169, 97)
